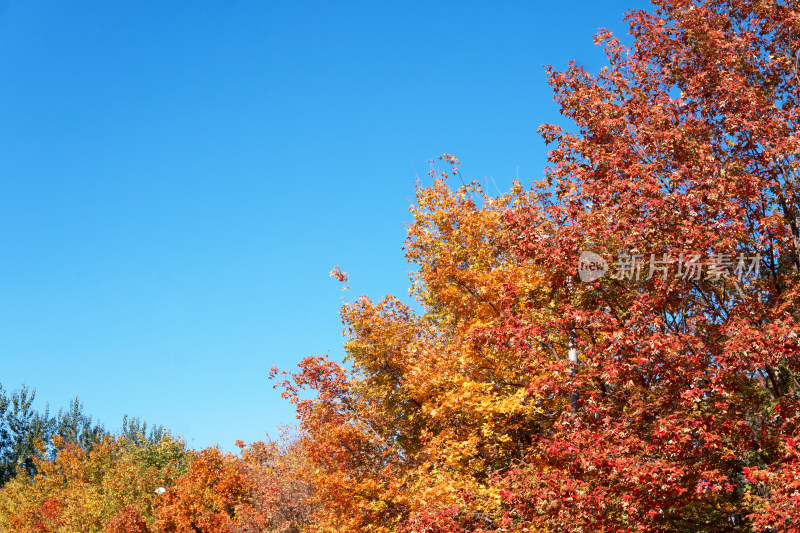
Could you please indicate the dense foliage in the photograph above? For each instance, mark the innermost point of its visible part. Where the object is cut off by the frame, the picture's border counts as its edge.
(21, 426)
(78, 477)
(514, 395)
(682, 412)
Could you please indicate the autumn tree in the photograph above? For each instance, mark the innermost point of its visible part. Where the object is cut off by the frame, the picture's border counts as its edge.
(210, 497)
(681, 412)
(428, 414)
(682, 172)
(22, 426)
(109, 487)
(282, 481)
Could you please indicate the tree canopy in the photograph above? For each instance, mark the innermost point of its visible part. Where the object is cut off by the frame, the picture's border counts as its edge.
(612, 348)
(681, 414)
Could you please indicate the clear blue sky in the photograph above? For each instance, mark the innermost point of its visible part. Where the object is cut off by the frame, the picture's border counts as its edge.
(177, 179)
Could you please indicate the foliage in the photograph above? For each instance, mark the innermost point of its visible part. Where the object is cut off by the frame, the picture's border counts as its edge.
(686, 144)
(75, 427)
(208, 497)
(136, 432)
(433, 411)
(20, 427)
(108, 487)
(283, 495)
(682, 413)
(140, 482)
(464, 413)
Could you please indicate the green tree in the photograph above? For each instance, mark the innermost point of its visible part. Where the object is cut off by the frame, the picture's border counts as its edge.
(21, 426)
(76, 427)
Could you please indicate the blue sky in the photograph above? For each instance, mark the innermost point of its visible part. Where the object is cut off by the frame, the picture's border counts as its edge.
(177, 179)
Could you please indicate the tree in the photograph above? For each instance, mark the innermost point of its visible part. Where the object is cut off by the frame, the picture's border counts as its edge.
(435, 406)
(209, 497)
(20, 428)
(685, 152)
(75, 427)
(283, 497)
(109, 487)
(136, 431)
(682, 412)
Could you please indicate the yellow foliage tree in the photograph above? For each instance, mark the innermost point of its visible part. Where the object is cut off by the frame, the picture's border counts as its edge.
(109, 487)
(436, 404)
